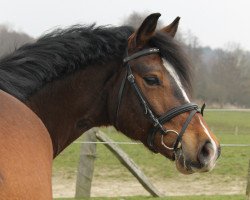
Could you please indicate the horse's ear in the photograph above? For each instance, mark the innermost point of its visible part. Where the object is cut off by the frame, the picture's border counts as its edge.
(171, 29)
(145, 31)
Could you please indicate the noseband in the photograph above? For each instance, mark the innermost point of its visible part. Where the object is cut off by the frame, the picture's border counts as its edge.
(157, 121)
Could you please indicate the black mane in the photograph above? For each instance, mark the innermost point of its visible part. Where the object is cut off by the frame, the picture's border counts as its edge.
(62, 52)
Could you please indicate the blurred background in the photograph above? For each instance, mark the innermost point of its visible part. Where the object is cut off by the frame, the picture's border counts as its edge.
(215, 36)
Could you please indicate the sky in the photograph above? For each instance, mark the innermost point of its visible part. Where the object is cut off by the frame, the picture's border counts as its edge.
(215, 22)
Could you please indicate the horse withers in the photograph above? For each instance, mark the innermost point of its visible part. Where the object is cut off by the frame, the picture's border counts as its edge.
(85, 76)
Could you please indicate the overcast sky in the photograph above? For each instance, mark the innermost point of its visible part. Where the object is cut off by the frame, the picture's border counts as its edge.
(214, 22)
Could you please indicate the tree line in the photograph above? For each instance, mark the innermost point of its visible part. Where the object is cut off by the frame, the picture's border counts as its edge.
(221, 76)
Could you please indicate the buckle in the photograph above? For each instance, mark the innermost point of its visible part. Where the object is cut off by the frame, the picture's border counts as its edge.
(131, 78)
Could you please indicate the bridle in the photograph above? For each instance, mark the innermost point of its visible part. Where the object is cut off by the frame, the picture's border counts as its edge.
(157, 121)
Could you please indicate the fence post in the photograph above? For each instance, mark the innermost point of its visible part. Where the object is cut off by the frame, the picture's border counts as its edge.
(86, 164)
(248, 183)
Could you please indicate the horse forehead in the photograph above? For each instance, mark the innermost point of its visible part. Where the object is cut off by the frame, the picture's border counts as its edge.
(149, 63)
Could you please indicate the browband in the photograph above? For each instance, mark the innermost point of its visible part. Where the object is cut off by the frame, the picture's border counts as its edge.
(141, 53)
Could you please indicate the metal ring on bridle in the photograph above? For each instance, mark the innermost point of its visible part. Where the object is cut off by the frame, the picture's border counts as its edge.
(162, 141)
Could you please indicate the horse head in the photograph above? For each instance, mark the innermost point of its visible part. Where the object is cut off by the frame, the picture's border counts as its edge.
(153, 89)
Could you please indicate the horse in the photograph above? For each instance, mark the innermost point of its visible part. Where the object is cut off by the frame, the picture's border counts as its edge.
(70, 80)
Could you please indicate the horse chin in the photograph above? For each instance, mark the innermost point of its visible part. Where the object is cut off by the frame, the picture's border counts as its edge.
(181, 164)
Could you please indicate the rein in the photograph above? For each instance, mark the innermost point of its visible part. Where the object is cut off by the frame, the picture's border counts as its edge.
(157, 121)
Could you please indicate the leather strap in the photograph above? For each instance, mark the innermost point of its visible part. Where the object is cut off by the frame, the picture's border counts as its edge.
(141, 53)
(184, 127)
(178, 110)
(129, 76)
(143, 101)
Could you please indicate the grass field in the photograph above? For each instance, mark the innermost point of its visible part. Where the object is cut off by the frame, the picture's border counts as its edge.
(231, 127)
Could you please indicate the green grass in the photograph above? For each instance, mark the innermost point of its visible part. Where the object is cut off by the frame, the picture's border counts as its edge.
(228, 121)
(212, 197)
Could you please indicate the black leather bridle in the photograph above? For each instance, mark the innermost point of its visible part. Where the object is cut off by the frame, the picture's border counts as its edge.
(157, 121)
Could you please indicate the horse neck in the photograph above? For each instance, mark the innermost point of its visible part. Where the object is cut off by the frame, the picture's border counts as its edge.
(70, 106)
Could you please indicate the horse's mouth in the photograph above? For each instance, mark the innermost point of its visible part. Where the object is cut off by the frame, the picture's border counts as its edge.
(181, 163)
(186, 166)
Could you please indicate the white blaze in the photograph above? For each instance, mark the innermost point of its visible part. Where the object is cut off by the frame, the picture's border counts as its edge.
(175, 76)
(211, 139)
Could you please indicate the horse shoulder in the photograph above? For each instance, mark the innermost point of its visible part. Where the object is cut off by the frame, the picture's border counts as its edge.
(26, 152)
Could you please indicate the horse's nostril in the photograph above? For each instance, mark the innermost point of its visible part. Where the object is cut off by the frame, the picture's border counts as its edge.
(206, 153)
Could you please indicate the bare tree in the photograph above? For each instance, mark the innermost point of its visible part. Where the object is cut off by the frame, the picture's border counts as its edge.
(11, 40)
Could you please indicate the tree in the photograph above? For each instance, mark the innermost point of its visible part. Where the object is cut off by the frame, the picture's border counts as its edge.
(11, 40)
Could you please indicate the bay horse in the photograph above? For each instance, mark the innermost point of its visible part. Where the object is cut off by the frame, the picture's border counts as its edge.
(71, 80)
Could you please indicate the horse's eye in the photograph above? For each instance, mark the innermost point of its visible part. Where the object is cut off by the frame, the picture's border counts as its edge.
(152, 80)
